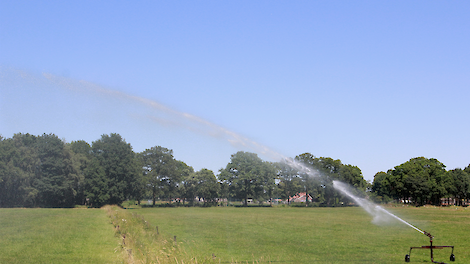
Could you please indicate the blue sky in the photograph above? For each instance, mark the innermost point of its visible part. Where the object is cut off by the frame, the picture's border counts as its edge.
(372, 83)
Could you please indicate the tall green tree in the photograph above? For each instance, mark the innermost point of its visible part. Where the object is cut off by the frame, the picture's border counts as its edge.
(460, 187)
(96, 189)
(206, 185)
(56, 179)
(18, 165)
(114, 167)
(248, 176)
(162, 174)
(154, 162)
(381, 187)
(421, 179)
(173, 182)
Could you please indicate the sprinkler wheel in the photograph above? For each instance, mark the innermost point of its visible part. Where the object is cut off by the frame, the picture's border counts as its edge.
(407, 258)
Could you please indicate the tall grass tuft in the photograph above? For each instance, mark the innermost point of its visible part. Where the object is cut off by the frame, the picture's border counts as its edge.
(141, 243)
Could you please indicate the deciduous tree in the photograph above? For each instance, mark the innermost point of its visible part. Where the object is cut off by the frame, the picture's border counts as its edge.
(247, 176)
(114, 167)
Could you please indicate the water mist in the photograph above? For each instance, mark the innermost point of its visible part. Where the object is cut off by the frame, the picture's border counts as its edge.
(379, 214)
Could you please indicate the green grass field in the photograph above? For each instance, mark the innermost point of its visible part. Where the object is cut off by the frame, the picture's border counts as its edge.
(233, 235)
(313, 235)
(57, 236)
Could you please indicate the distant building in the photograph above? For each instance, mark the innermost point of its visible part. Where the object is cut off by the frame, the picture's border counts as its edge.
(300, 198)
(454, 201)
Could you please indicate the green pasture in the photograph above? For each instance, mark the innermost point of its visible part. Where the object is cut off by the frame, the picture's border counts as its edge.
(312, 235)
(228, 235)
(56, 236)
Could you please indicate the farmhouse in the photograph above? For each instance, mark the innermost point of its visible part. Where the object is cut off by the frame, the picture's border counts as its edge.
(300, 198)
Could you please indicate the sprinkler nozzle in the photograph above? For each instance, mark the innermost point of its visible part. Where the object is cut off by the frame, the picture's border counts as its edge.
(428, 234)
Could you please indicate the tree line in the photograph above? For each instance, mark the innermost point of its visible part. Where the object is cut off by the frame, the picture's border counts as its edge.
(422, 181)
(45, 171)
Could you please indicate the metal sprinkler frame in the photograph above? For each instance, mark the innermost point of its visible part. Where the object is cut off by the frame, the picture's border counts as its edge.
(431, 247)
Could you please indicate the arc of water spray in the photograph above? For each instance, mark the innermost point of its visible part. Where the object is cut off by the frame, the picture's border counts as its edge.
(232, 137)
(215, 130)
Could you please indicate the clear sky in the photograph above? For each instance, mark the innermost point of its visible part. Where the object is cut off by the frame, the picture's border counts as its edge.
(372, 83)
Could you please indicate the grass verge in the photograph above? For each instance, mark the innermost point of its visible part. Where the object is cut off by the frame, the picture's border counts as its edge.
(142, 243)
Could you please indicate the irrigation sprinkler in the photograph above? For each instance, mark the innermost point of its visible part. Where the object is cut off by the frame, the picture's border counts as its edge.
(431, 247)
(375, 210)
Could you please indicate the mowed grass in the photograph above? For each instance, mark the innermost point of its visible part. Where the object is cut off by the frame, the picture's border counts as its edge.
(57, 236)
(312, 235)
